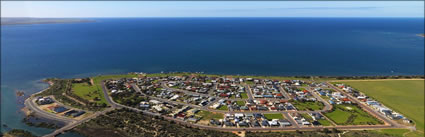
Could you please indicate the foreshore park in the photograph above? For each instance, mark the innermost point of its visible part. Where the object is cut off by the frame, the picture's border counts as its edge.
(222, 103)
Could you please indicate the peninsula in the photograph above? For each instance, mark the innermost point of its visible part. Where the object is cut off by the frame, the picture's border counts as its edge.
(220, 105)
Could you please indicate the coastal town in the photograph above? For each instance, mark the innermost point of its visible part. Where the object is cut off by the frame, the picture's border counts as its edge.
(230, 103)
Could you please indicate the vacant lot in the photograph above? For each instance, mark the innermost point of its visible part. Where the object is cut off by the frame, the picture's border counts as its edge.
(88, 92)
(308, 105)
(244, 95)
(240, 103)
(403, 96)
(347, 114)
(207, 115)
(273, 116)
(324, 122)
(223, 107)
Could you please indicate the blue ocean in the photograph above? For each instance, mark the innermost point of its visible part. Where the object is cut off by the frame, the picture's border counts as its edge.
(246, 46)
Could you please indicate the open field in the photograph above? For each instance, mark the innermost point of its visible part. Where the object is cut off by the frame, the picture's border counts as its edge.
(308, 105)
(347, 114)
(273, 116)
(403, 96)
(249, 82)
(394, 132)
(207, 115)
(244, 95)
(167, 74)
(324, 122)
(325, 98)
(240, 103)
(88, 92)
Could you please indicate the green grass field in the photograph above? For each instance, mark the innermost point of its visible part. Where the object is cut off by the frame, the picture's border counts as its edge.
(273, 116)
(393, 132)
(325, 97)
(240, 103)
(207, 115)
(301, 89)
(249, 82)
(347, 114)
(308, 105)
(403, 96)
(88, 92)
(223, 107)
(167, 74)
(324, 122)
(244, 95)
(338, 116)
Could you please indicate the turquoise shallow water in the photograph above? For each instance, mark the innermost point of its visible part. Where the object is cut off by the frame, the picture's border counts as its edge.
(254, 46)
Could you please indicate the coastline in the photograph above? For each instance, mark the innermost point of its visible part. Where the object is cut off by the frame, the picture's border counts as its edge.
(72, 124)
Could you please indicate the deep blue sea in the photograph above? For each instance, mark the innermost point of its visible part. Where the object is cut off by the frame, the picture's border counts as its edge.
(251, 46)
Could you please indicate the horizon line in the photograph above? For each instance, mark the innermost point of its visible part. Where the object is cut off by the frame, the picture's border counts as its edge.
(230, 17)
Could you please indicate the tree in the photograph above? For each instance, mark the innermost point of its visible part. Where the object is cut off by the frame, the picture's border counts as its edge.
(334, 130)
(326, 130)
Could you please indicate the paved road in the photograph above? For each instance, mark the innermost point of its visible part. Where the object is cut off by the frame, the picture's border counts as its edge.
(248, 91)
(106, 95)
(327, 107)
(285, 94)
(30, 104)
(291, 120)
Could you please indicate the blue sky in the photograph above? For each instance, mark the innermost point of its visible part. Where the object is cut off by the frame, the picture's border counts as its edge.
(212, 9)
